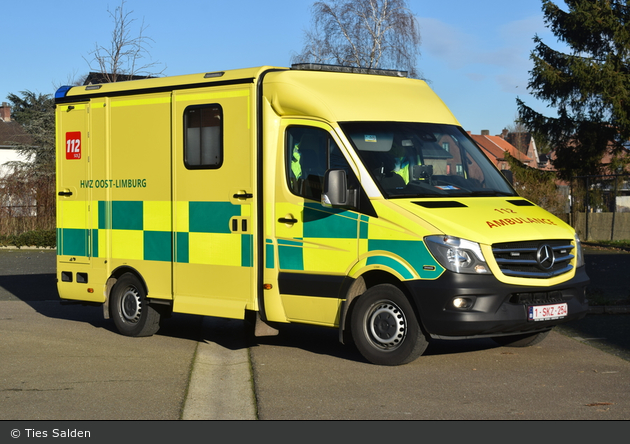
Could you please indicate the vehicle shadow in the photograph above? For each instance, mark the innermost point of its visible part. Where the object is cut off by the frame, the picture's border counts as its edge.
(29, 287)
(608, 275)
(607, 332)
(325, 341)
(610, 333)
(39, 291)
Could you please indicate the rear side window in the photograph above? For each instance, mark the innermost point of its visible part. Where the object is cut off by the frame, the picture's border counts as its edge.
(203, 137)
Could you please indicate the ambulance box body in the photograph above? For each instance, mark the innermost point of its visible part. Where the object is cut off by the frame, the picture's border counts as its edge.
(342, 199)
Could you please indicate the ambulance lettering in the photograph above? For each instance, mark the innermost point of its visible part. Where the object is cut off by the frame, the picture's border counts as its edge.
(505, 210)
(518, 221)
(113, 183)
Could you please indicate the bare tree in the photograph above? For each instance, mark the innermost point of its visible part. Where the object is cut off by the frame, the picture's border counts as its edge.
(363, 33)
(126, 56)
(521, 142)
(518, 135)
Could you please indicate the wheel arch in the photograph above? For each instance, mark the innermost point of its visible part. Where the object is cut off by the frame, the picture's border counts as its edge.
(113, 278)
(360, 285)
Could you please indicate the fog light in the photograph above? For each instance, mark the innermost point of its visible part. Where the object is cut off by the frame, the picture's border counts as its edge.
(462, 303)
(459, 302)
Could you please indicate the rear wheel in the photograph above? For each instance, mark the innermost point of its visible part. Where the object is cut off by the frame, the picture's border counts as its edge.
(525, 340)
(129, 309)
(385, 328)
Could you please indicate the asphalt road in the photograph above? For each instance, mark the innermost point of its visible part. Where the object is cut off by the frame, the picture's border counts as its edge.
(303, 375)
(67, 362)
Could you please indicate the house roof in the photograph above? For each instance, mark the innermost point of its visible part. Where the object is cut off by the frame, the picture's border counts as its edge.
(520, 140)
(11, 134)
(495, 147)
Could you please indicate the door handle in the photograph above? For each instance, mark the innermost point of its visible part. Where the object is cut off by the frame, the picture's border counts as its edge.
(65, 193)
(243, 196)
(288, 219)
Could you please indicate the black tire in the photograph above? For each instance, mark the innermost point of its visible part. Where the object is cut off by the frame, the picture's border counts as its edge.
(384, 327)
(132, 314)
(524, 340)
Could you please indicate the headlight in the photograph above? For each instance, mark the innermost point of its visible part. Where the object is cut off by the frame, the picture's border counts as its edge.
(579, 254)
(457, 255)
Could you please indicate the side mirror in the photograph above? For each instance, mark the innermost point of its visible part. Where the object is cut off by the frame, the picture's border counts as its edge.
(336, 193)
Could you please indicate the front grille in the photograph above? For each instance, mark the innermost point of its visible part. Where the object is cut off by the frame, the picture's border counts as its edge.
(533, 259)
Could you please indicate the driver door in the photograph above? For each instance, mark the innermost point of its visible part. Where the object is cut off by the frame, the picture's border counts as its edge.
(316, 245)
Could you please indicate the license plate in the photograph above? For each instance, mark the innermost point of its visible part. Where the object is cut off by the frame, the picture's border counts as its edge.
(547, 312)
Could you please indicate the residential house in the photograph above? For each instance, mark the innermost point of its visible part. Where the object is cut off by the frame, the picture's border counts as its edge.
(525, 143)
(12, 203)
(495, 148)
(11, 134)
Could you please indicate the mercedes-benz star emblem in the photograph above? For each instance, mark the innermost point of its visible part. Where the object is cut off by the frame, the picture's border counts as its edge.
(545, 257)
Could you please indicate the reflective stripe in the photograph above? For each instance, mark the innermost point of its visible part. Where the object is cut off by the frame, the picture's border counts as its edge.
(333, 240)
(143, 231)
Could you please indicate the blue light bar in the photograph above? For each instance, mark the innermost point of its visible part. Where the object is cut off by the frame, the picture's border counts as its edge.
(62, 91)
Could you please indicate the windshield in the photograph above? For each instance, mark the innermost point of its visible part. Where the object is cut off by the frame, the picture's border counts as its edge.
(424, 160)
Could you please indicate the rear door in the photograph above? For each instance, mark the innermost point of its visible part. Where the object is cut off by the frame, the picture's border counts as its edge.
(74, 184)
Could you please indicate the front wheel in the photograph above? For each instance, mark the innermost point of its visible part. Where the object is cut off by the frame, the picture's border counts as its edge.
(129, 309)
(384, 327)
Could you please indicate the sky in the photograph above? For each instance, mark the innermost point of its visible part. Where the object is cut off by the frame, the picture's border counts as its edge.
(475, 55)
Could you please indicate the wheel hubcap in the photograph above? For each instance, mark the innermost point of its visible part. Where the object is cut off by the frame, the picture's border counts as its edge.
(387, 325)
(130, 305)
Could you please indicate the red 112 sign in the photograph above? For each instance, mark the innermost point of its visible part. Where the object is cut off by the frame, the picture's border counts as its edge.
(73, 145)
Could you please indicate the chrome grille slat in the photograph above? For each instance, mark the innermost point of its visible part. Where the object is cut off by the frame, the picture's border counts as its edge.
(566, 258)
(539, 274)
(514, 250)
(563, 247)
(520, 259)
(517, 261)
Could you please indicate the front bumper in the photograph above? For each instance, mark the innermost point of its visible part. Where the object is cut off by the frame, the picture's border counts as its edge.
(498, 309)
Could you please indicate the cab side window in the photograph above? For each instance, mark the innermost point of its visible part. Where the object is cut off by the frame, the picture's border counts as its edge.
(309, 153)
(203, 137)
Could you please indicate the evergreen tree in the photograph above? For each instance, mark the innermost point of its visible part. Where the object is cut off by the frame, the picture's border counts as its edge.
(589, 87)
(36, 114)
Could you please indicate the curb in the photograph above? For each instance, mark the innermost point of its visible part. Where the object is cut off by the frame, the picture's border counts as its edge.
(24, 247)
(221, 381)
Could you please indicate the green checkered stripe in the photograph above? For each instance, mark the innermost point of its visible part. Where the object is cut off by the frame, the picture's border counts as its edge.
(127, 217)
(326, 223)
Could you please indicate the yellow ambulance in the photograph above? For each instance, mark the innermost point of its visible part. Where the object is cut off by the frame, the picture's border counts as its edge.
(333, 196)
